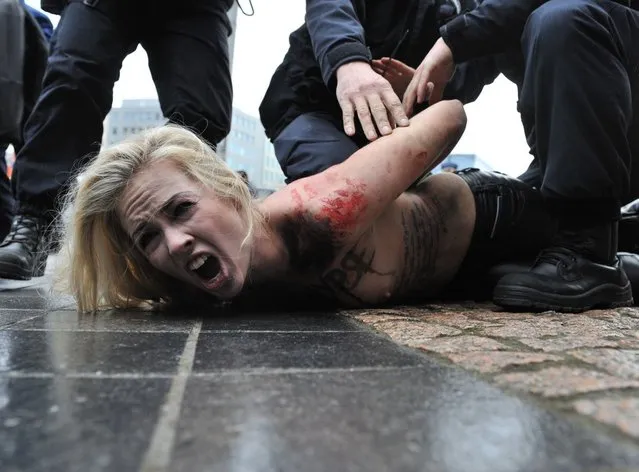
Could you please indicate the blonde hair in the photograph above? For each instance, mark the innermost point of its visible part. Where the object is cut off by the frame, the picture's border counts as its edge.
(98, 263)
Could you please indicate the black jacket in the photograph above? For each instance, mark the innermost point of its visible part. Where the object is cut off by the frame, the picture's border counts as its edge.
(340, 31)
(56, 6)
(493, 27)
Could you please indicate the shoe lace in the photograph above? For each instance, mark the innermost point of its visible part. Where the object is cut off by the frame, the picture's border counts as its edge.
(22, 230)
(556, 255)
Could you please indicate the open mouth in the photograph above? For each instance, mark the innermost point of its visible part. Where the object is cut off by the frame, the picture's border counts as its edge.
(206, 267)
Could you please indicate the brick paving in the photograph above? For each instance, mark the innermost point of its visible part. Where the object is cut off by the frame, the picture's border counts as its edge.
(587, 363)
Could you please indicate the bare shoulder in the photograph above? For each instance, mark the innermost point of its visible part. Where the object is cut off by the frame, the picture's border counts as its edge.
(326, 255)
(295, 214)
(414, 247)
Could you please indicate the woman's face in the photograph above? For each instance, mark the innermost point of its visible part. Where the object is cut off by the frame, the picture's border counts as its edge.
(185, 231)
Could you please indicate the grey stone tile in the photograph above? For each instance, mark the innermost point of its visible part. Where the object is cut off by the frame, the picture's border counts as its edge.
(9, 318)
(422, 419)
(23, 300)
(39, 296)
(246, 350)
(133, 321)
(90, 352)
(38, 283)
(77, 425)
(280, 322)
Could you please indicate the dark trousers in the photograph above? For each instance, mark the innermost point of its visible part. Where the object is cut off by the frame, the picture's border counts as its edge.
(186, 42)
(579, 97)
(312, 143)
(35, 59)
(6, 196)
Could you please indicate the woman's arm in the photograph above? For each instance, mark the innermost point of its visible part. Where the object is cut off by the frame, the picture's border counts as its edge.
(350, 196)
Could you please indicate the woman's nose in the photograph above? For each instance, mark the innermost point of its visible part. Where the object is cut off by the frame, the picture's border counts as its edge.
(178, 242)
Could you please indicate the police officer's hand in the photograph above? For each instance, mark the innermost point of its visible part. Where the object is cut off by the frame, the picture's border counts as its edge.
(360, 89)
(396, 72)
(431, 77)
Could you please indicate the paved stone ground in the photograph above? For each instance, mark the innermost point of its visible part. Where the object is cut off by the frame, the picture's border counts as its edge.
(140, 391)
(585, 364)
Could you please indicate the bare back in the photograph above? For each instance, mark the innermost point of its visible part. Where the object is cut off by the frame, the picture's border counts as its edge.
(356, 235)
(412, 250)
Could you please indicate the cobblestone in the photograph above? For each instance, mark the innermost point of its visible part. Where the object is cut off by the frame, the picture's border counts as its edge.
(564, 343)
(622, 319)
(563, 381)
(501, 316)
(458, 320)
(620, 412)
(495, 361)
(619, 362)
(545, 354)
(463, 344)
(414, 334)
(375, 318)
(568, 325)
(552, 333)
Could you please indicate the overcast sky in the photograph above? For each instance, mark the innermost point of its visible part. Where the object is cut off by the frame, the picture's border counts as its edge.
(494, 129)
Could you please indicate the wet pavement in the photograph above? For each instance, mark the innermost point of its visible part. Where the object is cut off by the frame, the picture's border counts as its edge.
(283, 392)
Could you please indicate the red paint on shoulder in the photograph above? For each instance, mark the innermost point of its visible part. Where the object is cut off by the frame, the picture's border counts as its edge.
(344, 207)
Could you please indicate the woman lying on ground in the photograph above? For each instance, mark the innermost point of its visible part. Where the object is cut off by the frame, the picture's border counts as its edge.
(160, 213)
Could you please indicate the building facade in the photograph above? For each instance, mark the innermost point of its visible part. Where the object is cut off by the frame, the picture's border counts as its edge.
(272, 175)
(245, 148)
(131, 118)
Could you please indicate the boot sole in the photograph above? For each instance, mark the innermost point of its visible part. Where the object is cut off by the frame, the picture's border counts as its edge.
(17, 272)
(526, 298)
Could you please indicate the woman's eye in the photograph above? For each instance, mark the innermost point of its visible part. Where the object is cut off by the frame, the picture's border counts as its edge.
(182, 209)
(146, 239)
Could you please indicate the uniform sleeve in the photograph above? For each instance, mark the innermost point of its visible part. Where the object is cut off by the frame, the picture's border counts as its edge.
(491, 28)
(336, 34)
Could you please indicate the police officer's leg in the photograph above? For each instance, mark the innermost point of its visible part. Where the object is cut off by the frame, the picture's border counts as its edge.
(189, 62)
(579, 55)
(34, 63)
(310, 144)
(65, 126)
(6, 196)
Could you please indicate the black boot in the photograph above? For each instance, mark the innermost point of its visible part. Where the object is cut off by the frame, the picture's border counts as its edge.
(23, 253)
(5, 223)
(578, 272)
(630, 265)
